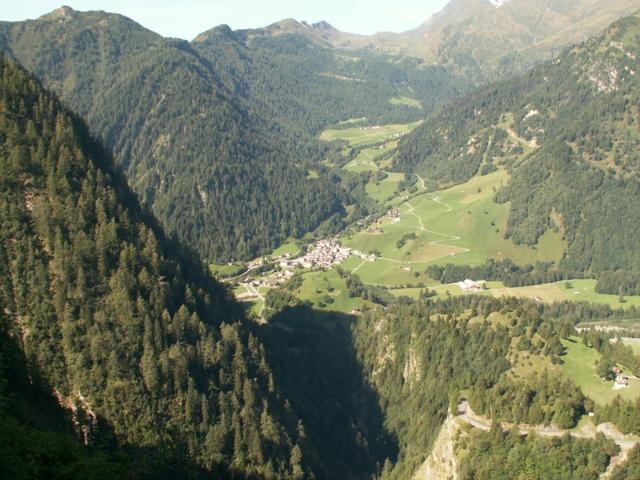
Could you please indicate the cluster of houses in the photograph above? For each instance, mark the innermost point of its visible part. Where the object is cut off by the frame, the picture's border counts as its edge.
(325, 253)
(394, 214)
(322, 254)
(470, 286)
(399, 135)
(273, 281)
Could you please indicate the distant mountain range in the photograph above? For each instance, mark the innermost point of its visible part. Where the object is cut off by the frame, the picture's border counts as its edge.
(482, 39)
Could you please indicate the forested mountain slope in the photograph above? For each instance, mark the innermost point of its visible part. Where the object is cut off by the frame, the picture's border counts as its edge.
(128, 329)
(218, 136)
(216, 170)
(567, 132)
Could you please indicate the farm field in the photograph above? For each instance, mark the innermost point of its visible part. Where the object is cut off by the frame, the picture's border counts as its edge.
(460, 225)
(366, 159)
(290, 247)
(442, 290)
(634, 343)
(224, 270)
(359, 136)
(580, 365)
(327, 291)
(582, 290)
(409, 102)
(384, 189)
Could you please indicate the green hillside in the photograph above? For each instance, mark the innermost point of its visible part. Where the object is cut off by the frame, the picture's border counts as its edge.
(566, 132)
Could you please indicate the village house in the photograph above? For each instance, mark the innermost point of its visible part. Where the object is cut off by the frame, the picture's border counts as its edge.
(470, 286)
(622, 381)
(394, 214)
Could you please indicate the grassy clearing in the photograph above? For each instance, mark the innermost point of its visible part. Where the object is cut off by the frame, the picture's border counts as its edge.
(385, 189)
(460, 225)
(289, 247)
(409, 102)
(582, 290)
(225, 270)
(580, 365)
(366, 161)
(327, 291)
(525, 365)
(358, 136)
(634, 343)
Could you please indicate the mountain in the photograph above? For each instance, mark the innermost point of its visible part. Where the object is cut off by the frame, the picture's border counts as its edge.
(218, 136)
(126, 328)
(486, 39)
(566, 134)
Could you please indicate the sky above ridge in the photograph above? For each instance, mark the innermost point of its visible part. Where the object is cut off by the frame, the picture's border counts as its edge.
(186, 18)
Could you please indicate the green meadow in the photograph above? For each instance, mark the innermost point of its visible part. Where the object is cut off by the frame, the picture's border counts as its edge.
(580, 365)
(385, 189)
(582, 290)
(290, 247)
(359, 136)
(366, 161)
(460, 225)
(409, 102)
(327, 291)
(225, 270)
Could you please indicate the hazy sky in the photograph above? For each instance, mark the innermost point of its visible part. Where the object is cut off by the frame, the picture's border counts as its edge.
(187, 18)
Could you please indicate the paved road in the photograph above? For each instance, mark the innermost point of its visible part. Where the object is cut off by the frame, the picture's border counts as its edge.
(625, 442)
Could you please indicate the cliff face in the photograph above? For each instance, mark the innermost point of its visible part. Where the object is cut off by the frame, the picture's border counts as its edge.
(442, 464)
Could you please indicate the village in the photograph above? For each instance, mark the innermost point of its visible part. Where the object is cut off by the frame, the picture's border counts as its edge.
(320, 255)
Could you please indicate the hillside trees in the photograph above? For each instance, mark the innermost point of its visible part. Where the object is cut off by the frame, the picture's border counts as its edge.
(119, 320)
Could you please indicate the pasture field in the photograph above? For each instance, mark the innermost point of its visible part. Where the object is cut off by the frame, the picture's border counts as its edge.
(327, 291)
(290, 247)
(442, 290)
(366, 159)
(384, 189)
(580, 365)
(460, 225)
(225, 270)
(409, 102)
(634, 343)
(582, 290)
(359, 136)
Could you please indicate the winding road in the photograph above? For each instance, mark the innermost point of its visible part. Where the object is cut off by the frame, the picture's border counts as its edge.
(624, 442)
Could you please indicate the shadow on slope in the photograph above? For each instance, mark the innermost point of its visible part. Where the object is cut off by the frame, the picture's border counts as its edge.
(313, 358)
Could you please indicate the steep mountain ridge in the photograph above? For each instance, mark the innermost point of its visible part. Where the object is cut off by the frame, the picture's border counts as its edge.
(565, 131)
(124, 326)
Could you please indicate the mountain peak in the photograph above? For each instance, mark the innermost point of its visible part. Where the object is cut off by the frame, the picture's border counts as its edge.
(223, 30)
(322, 25)
(287, 25)
(63, 13)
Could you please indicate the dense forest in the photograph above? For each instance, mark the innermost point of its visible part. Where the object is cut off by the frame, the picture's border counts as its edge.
(505, 456)
(127, 327)
(566, 132)
(420, 357)
(218, 136)
(39, 440)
